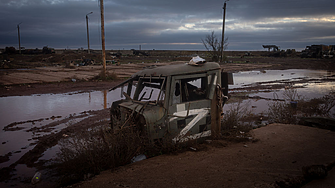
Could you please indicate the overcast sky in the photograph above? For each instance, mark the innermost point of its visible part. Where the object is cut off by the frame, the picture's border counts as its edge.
(168, 24)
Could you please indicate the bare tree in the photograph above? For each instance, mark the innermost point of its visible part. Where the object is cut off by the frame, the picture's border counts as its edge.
(213, 45)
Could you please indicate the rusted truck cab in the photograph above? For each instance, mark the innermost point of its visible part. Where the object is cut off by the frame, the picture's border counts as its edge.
(183, 101)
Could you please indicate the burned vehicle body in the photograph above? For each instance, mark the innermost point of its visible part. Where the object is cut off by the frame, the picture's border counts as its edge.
(183, 101)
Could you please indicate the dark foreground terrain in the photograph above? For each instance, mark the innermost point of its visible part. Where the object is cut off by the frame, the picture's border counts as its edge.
(278, 157)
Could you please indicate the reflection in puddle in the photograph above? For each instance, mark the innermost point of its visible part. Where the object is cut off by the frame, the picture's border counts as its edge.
(23, 108)
(310, 84)
(250, 77)
(263, 87)
(26, 118)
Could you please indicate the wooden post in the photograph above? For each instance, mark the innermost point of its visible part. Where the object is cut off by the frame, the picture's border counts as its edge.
(223, 26)
(105, 99)
(103, 38)
(18, 31)
(88, 35)
(216, 114)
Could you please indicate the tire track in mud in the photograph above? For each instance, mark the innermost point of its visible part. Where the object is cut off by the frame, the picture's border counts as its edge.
(11, 126)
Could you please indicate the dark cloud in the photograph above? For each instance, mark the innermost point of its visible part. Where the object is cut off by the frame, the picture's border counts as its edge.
(167, 24)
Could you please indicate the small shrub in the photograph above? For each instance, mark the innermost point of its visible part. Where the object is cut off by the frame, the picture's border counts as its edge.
(291, 93)
(236, 116)
(108, 76)
(236, 123)
(92, 151)
(319, 106)
(281, 112)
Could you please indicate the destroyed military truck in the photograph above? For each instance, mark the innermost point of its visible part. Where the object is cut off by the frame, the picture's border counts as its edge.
(183, 101)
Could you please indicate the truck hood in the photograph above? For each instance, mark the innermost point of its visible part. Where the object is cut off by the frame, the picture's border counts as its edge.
(151, 112)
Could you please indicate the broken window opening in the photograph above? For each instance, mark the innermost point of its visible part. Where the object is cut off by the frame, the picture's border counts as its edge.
(177, 89)
(150, 89)
(194, 89)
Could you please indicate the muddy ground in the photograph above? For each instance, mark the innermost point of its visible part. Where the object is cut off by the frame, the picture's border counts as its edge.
(57, 78)
(275, 158)
(279, 153)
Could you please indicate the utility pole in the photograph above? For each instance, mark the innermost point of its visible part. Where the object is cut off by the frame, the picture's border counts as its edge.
(18, 31)
(223, 26)
(103, 37)
(88, 36)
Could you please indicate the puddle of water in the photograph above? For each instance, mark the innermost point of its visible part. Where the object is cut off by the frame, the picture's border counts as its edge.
(28, 110)
(250, 77)
(257, 106)
(23, 108)
(32, 114)
(309, 91)
(50, 153)
(21, 141)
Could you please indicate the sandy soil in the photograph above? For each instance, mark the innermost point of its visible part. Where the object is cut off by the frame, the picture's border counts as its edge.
(276, 158)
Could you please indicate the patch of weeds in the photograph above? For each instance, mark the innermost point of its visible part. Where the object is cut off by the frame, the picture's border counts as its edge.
(236, 116)
(89, 152)
(291, 93)
(288, 113)
(281, 112)
(108, 76)
(235, 125)
(92, 151)
(319, 106)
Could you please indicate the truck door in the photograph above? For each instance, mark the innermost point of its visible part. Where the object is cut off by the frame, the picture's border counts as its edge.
(190, 105)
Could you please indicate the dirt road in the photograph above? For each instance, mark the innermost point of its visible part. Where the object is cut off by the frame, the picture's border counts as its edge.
(85, 73)
(59, 79)
(40, 80)
(280, 154)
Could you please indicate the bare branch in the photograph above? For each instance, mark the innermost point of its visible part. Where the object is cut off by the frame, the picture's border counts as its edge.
(213, 46)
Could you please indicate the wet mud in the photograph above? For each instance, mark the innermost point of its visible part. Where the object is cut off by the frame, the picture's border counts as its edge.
(41, 144)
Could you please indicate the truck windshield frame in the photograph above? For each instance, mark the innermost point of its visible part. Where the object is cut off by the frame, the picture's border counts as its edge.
(150, 89)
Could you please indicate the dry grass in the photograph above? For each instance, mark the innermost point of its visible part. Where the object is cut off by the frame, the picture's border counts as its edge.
(284, 112)
(236, 123)
(91, 151)
(236, 116)
(291, 94)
